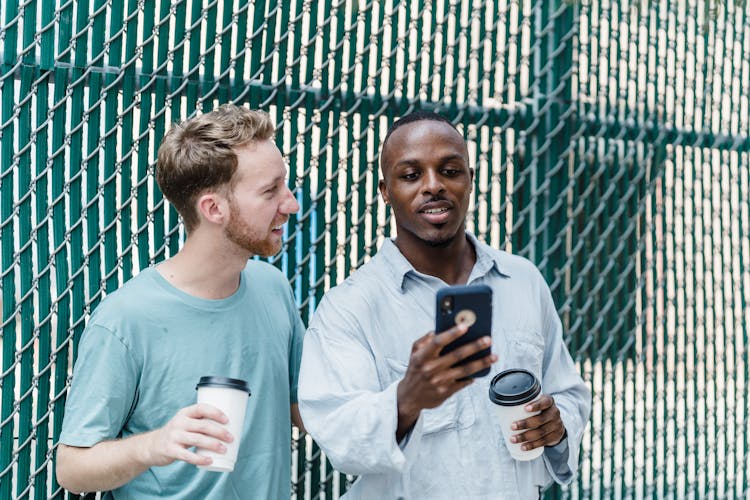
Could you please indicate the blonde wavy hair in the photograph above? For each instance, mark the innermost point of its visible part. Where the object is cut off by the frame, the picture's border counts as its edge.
(199, 154)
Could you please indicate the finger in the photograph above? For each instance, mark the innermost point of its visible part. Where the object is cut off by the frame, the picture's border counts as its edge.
(422, 341)
(550, 414)
(195, 440)
(449, 386)
(463, 352)
(539, 439)
(529, 436)
(193, 458)
(462, 371)
(442, 339)
(209, 428)
(541, 404)
(530, 422)
(554, 429)
(451, 371)
(203, 410)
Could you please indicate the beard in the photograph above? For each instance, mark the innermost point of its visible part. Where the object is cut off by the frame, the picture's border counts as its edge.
(438, 237)
(243, 235)
(439, 242)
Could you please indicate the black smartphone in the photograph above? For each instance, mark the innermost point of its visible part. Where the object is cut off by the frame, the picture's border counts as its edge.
(470, 304)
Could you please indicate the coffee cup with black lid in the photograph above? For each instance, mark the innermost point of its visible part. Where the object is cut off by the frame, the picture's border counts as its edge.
(511, 391)
(230, 395)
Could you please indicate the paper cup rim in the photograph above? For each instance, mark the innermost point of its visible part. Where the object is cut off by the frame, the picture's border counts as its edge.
(515, 399)
(231, 383)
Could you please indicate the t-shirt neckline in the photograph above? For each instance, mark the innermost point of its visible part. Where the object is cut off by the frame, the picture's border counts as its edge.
(199, 302)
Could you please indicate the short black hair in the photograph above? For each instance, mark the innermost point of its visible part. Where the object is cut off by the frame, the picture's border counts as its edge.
(416, 116)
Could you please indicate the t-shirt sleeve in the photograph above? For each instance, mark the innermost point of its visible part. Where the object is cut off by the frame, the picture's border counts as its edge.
(295, 350)
(103, 390)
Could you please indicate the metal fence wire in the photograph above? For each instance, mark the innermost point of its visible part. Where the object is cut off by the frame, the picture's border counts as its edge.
(611, 145)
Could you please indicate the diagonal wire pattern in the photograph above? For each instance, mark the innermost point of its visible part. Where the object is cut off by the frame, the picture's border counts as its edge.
(611, 146)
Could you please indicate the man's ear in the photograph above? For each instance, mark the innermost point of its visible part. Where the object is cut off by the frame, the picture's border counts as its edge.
(384, 191)
(213, 207)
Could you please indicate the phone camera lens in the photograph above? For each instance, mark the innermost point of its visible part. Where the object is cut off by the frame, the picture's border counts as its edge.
(446, 305)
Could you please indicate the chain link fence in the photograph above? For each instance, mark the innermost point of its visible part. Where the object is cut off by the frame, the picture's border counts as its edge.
(611, 145)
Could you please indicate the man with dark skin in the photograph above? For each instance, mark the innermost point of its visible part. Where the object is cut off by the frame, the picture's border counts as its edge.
(357, 367)
(429, 195)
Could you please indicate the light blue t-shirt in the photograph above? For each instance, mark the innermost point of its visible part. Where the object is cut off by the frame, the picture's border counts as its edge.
(142, 354)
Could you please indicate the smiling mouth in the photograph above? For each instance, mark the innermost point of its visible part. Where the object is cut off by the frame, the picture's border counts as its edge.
(434, 211)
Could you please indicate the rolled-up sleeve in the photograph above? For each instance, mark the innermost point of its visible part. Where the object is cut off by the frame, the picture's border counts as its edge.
(341, 401)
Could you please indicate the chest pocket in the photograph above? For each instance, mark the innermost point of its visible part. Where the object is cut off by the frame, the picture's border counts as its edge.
(522, 349)
(457, 412)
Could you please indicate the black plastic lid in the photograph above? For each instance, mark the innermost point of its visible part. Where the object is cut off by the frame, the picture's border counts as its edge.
(514, 387)
(232, 383)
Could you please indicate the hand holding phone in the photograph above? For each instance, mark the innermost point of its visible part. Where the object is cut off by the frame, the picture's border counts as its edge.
(433, 374)
(472, 306)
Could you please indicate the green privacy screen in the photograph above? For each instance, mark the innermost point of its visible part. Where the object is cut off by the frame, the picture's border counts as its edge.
(610, 141)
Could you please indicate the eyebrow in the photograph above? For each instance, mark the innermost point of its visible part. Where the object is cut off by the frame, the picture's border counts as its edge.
(414, 162)
(274, 182)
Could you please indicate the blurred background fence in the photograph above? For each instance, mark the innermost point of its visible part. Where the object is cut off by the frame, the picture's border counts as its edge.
(611, 144)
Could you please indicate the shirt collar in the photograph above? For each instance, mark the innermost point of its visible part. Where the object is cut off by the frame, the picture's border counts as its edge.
(396, 264)
(398, 268)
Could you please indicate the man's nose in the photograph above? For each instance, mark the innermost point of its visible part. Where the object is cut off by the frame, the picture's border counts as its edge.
(290, 205)
(432, 182)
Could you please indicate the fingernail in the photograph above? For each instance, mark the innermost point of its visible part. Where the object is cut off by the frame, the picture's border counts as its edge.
(525, 447)
(529, 408)
(514, 426)
(513, 439)
(222, 448)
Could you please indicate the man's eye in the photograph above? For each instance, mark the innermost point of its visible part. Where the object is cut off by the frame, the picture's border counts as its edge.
(410, 176)
(450, 172)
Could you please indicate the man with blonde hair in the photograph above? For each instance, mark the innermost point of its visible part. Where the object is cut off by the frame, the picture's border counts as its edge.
(131, 426)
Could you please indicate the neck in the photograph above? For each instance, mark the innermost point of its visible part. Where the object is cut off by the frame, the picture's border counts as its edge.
(205, 267)
(451, 262)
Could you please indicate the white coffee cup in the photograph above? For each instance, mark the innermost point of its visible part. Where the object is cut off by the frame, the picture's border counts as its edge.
(230, 396)
(511, 391)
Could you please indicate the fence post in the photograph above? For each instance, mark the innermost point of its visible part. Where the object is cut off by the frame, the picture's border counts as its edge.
(554, 115)
(553, 118)
(7, 218)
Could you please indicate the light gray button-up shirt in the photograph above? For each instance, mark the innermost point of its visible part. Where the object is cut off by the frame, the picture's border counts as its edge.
(357, 349)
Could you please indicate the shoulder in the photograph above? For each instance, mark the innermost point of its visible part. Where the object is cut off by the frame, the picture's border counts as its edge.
(522, 268)
(518, 268)
(353, 300)
(361, 285)
(129, 311)
(131, 300)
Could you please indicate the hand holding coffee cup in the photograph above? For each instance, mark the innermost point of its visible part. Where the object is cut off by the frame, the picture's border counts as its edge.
(543, 428)
(230, 396)
(194, 425)
(512, 391)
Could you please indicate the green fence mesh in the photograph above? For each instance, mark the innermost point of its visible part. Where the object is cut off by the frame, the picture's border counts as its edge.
(611, 143)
